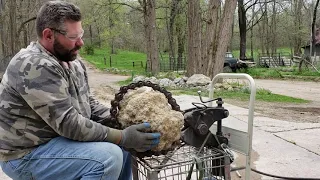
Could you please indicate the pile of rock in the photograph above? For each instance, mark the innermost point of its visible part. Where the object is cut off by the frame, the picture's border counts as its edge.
(196, 81)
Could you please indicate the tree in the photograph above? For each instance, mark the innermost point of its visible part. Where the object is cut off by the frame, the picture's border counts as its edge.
(313, 26)
(297, 39)
(15, 31)
(223, 38)
(217, 38)
(180, 25)
(210, 38)
(170, 26)
(149, 14)
(242, 28)
(194, 37)
(244, 23)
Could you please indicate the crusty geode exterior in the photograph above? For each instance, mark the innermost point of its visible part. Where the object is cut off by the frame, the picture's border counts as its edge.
(147, 105)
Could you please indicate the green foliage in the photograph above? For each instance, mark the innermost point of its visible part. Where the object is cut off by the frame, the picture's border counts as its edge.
(89, 49)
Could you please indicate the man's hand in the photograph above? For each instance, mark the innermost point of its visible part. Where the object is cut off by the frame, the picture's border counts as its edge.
(134, 137)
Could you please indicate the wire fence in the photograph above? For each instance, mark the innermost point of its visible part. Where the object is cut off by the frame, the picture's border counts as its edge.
(166, 64)
(275, 60)
(127, 64)
(173, 64)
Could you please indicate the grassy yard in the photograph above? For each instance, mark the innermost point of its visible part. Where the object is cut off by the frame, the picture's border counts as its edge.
(123, 60)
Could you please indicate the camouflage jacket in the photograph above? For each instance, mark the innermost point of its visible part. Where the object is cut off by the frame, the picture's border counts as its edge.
(41, 99)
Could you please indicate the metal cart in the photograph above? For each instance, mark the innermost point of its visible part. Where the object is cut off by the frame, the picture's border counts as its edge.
(209, 163)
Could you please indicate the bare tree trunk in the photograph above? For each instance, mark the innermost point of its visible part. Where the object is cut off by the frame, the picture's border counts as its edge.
(111, 27)
(274, 29)
(224, 36)
(297, 39)
(210, 45)
(265, 28)
(99, 34)
(242, 28)
(173, 13)
(90, 33)
(251, 32)
(181, 36)
(2, 28)
(150, 31)
(313, 31)
(194, 37)
(12, 24)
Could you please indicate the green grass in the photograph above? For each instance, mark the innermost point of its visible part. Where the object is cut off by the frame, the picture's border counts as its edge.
(263, 73)
(122, 60)
(125, 82)
(281, 73)
(242, 95)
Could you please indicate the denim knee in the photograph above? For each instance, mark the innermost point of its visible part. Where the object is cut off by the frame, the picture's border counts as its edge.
(112, 159)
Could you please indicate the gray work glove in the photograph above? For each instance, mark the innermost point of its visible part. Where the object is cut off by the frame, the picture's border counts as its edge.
(134, 137)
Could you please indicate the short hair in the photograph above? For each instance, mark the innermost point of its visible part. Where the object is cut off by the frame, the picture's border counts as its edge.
(54, 14)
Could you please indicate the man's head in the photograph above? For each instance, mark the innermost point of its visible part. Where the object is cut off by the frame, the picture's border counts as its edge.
(59, 29)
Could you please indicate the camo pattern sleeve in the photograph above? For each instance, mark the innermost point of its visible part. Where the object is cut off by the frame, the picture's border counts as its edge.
(99, 112)
(40, 100)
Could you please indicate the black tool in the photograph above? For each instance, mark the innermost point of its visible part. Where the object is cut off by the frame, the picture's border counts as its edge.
(199, 119)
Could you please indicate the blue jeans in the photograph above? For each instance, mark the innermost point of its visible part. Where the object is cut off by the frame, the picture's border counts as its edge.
(65, 159)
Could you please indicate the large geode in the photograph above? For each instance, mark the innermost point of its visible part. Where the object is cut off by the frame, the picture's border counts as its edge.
(145, 104)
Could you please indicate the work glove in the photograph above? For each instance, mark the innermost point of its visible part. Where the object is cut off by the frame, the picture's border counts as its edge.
(134, 137)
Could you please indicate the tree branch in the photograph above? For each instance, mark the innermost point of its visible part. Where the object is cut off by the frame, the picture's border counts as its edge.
(250, 5)
(255, 23)
(123, 4)
(25, 22)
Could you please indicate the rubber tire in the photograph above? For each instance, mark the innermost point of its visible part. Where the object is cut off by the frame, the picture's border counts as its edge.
(227, 69)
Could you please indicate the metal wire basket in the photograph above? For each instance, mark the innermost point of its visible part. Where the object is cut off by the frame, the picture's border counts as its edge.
(184, 163)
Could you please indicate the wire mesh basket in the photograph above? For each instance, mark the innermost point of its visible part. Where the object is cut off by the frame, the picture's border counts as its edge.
(184, 163)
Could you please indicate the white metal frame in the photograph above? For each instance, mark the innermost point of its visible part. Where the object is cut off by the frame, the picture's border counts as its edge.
(240, 141)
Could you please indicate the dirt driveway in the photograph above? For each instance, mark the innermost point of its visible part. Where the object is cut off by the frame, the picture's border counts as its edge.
(294, 112)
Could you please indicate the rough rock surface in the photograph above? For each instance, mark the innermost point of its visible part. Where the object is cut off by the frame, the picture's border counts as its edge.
(198, 80)
(146, 105)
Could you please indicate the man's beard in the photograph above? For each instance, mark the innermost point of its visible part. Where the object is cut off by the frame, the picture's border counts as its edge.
(62, 53)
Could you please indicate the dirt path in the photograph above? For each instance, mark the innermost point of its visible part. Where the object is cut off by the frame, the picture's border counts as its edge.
(98, 78)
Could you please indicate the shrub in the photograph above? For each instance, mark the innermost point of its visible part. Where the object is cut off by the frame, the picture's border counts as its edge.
(89, 49)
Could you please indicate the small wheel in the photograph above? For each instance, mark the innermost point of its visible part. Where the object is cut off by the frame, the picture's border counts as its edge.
(227, 69)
